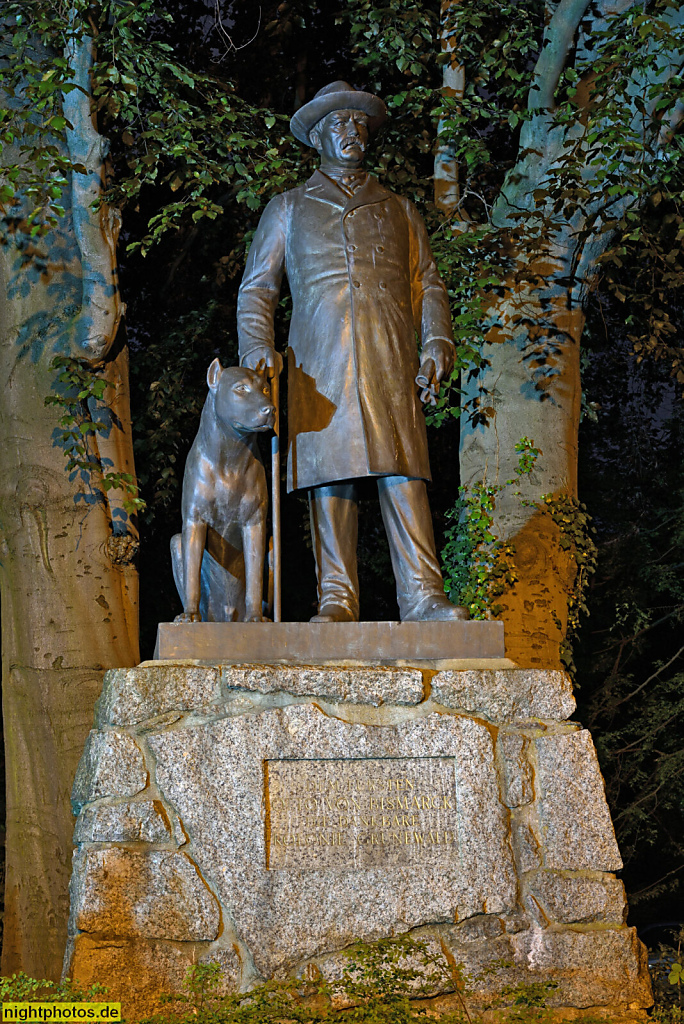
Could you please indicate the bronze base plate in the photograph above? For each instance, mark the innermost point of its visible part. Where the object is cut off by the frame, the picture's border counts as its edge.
(314, 643)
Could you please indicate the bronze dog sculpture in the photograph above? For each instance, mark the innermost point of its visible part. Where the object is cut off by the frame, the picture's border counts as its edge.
(218, 560)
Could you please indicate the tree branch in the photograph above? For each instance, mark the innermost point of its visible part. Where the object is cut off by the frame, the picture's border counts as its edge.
(96, 230)
(447, 187)
(558, 38)
(96, 326)
(647, 888)
(650, 679)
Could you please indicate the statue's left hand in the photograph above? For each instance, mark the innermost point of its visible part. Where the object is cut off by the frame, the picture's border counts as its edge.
(437, 362)
(264, 359)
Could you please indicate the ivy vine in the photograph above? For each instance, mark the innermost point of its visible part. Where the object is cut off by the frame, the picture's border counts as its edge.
(79, 391)
(479, 567)
(574, 527)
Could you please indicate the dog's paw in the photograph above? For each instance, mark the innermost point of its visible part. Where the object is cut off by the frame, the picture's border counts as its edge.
(188, 617)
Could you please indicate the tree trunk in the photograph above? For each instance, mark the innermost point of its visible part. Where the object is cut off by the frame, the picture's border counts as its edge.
(529, 384)
(529, 391)
(68, 586)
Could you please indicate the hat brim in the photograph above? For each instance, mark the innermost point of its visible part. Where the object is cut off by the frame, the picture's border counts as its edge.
(310, 114)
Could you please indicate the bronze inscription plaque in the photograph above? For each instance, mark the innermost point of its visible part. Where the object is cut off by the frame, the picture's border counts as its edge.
(365, 813)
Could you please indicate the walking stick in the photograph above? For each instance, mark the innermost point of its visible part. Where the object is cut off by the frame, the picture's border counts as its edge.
(275, 494)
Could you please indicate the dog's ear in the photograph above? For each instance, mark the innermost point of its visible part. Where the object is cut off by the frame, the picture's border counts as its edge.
(214, 374)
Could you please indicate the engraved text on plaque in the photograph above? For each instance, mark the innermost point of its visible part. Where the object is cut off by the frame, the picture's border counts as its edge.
(361, 813)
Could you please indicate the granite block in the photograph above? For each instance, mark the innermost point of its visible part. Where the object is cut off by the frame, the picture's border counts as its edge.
(518, 787)
(214, 776)
(133, 695)
(505, 695)
(128, 894)
(576, 830)
(374, 686)
(602, 967)
(142, 822)
(111, 765)
(228, 961)
(526, 846)
(577, 899)
(137, 972)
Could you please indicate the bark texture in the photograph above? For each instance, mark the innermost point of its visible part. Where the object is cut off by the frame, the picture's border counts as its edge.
(68, 586)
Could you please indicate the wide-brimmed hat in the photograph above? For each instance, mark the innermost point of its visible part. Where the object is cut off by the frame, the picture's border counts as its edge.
(337, 96)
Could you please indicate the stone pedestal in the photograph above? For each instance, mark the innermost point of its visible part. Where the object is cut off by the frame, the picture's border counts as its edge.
(268, 817)
(342, 643)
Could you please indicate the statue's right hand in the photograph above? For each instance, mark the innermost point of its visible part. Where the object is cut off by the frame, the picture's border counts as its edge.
(263, 359)
(188, 617)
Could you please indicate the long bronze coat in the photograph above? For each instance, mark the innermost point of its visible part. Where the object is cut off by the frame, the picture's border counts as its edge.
(363, 283)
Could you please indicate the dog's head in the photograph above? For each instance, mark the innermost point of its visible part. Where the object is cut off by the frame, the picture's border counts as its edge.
(242, 398)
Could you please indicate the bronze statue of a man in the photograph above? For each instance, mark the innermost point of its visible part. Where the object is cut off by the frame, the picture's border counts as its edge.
(363, 282)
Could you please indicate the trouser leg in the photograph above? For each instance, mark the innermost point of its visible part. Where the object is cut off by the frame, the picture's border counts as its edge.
(408, 524)
(333, 510)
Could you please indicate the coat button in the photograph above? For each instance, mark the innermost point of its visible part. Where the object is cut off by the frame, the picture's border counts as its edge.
(382, 285)
(379, 248)
(351, 248)
(357, 284)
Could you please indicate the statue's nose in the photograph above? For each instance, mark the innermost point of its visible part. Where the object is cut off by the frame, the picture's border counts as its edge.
(268, 408)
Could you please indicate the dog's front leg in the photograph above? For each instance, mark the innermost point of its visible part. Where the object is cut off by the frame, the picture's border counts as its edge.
(254, 548)
(194, 541)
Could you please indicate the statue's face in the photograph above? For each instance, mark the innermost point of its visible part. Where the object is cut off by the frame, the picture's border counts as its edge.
(341, 138)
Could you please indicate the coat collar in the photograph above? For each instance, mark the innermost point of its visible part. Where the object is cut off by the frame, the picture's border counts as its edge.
(322, 188)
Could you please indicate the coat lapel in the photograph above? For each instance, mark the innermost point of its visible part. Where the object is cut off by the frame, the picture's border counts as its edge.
(370, 192)
(322, 189)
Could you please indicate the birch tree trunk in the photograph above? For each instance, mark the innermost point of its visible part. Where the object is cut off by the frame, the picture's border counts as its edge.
(68, 585)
